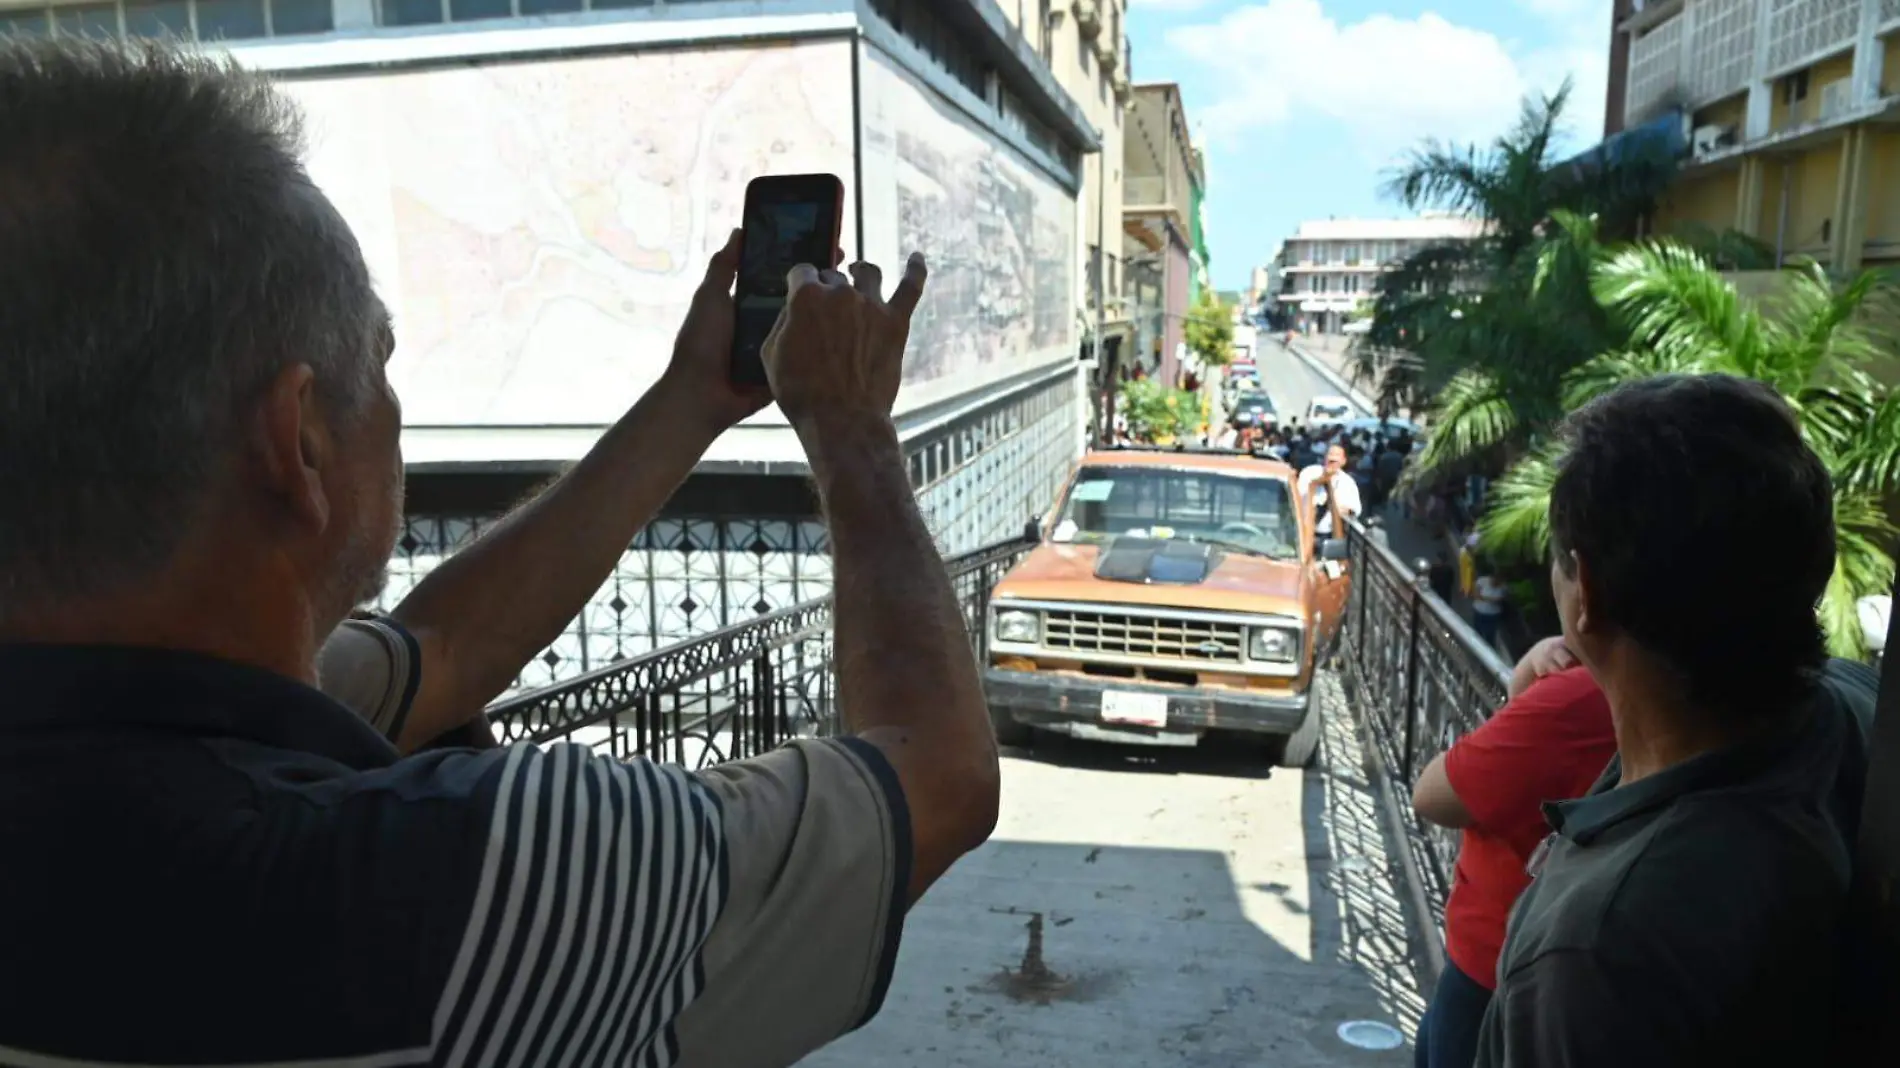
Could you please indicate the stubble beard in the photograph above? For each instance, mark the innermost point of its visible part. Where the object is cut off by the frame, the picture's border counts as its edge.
(362, 573)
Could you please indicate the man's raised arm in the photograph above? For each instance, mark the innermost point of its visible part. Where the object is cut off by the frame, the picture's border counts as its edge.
(486, 610)
(908, 681)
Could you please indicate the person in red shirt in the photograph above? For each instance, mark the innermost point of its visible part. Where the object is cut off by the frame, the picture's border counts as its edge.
(1549, 742)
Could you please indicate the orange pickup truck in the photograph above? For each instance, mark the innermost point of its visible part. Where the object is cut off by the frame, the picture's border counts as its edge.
(1174, 593)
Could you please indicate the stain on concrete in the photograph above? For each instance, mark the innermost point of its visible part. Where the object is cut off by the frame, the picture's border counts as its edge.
(1033, 982)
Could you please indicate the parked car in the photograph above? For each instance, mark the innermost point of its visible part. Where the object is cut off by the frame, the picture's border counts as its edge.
(1388, 426)
(1356, 327)
(1253, 409)
(1174, 593)
(1328, 411)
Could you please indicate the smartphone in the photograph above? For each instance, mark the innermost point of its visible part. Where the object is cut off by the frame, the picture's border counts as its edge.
(789, 219)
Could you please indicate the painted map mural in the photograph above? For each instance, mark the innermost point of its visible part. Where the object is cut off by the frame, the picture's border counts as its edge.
(538, 227)
(1000, 235)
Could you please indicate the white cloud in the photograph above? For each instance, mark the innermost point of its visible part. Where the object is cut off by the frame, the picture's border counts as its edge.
(1388, 82)
(1562, 9)
(1168, 5)
(1580, 51)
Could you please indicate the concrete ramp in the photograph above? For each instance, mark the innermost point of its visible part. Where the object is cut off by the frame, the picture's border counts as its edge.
(1147, 907)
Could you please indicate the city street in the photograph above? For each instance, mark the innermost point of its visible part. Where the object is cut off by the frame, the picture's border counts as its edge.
(1146, 906)
(1293, 383)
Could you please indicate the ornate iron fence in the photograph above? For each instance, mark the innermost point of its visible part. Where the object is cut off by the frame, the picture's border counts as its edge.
(1419, 677)
(733, 693)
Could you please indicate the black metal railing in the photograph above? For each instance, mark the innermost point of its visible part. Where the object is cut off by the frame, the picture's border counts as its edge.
(730, 694)
(1418, 677)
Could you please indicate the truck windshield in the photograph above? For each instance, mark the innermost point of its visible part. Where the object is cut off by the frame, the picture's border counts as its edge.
(1252, 514)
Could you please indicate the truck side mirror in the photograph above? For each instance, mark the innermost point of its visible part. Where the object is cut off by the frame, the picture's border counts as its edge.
(1335, 549)
(1032, 531)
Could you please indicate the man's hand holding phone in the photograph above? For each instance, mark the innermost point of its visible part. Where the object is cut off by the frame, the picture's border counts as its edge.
(835, 357)
(699, 378)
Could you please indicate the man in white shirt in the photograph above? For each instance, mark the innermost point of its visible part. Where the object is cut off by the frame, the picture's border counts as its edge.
(1335, 494)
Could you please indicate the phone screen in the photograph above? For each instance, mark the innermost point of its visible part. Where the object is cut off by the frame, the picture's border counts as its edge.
(788, 221)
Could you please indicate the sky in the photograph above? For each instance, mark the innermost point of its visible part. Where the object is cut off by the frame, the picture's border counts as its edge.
(1304, 106)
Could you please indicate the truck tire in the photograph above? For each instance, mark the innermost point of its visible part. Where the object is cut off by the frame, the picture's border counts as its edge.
(1298, 750)
(1010, 732)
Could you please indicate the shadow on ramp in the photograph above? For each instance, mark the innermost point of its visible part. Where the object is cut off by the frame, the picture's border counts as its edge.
(1178, 907)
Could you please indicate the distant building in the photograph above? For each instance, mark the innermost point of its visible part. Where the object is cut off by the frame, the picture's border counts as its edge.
(1265, 280)
(1328, 267)
(1197, 236)
(1085, 47)
(1164, 247)
(1785, 110)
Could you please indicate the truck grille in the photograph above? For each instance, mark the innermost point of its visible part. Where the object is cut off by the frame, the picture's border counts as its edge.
(1184, 640)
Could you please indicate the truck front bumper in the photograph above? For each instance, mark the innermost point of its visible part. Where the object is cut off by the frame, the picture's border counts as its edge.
(1072, 704)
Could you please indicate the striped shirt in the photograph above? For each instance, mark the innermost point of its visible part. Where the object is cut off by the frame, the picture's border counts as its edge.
(209, 864)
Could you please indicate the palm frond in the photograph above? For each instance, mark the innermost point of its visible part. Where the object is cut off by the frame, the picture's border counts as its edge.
(1860, 433)
(1819, 326)
(1538, 118)
(1471, 415)
(1612, 369)
(1516, 525)
(1444, 176)
(1573, 243)
(1671, 300)
(1863, 565)
(1726, 250)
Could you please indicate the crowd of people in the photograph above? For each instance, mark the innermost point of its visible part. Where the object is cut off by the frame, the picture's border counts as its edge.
(235, 837)
(1375, 456)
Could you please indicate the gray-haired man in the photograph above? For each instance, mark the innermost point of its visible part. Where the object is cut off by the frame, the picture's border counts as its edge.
(210, 861)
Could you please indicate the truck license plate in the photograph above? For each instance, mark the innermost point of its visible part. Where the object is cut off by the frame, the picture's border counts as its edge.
(1140, 709)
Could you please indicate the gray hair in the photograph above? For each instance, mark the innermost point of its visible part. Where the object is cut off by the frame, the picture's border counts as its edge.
(163, 256)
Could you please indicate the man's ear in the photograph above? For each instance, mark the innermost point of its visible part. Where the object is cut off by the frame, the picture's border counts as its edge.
(295, 446)
(1581, 571)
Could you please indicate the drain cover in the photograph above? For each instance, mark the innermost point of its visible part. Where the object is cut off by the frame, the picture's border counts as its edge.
(1370, 1034)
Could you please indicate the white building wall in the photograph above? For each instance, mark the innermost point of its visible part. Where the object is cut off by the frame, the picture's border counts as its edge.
(537, 197)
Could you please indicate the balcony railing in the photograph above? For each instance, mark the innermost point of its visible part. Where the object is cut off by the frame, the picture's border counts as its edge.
(730, 694)
(1418, 677)
(1709, 50)
(1145, 191)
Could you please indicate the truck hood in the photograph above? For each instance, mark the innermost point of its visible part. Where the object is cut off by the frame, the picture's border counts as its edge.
(1239, 583)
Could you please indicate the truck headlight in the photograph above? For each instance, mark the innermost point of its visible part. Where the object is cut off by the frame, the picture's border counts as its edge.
(1274, 645)
(1018, 626)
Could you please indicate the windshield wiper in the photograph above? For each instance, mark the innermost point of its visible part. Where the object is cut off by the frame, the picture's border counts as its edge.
(1284, 554)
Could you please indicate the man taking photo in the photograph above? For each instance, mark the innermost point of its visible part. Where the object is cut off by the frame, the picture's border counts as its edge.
(210, 861)
(1335, 495)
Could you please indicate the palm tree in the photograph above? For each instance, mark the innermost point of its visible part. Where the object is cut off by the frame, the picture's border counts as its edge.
(1535, 334)
(1532, 335)
(1427, 328)
(1813, 344)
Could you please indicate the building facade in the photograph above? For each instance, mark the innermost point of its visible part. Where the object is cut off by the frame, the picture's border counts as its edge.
(1084, 44)
(1203, 279)
(1263, 284)
(537, 184)
(1791, 113)
(1162, 232)
(1329, 268)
